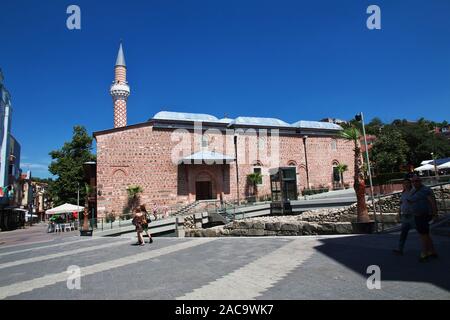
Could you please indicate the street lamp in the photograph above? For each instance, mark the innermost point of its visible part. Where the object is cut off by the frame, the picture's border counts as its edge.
(360, 117)
(436, 172)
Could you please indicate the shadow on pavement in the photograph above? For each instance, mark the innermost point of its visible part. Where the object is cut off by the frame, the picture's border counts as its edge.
(359, 252)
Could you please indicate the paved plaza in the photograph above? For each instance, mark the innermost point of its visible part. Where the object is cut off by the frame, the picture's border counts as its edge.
(310, 267)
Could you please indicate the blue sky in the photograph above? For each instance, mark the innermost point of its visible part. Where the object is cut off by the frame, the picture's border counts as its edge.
(294, 60)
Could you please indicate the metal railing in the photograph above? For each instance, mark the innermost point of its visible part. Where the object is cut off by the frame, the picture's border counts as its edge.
(441, 201)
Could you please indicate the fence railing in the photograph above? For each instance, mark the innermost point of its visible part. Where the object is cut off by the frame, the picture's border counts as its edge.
(441, 201)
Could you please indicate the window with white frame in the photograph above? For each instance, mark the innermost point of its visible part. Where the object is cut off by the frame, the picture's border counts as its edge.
(333, 144)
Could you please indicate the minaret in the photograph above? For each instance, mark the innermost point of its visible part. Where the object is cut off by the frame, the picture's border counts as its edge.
(120, 90)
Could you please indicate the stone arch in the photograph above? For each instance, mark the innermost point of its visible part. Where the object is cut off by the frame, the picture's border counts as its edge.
(257, 163)
(292, 163)
(119, 191)
(119, 172)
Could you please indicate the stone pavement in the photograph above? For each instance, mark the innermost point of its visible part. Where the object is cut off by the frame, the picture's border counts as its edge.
(37, 233)
(308, 267)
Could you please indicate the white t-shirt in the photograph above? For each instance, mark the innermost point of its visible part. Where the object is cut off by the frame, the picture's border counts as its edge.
(405, 207)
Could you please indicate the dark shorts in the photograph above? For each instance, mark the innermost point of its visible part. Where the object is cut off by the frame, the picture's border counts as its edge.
(422, 224)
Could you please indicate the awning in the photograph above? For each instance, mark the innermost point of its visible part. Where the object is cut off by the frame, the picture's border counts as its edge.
(425, 167)
(444, 166)
(65, 208)
(208, 157)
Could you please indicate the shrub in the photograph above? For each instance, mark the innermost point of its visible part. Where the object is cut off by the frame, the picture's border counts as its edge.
(308, 192)
(110, 217)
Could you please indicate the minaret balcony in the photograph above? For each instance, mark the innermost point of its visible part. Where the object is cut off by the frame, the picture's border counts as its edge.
(120, 89)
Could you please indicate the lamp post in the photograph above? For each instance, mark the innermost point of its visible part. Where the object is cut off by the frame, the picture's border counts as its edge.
(436, 172)
(306, 161)
(360, 117)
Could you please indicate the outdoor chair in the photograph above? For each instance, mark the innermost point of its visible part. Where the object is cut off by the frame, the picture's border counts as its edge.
(58, 228)
(67, 226)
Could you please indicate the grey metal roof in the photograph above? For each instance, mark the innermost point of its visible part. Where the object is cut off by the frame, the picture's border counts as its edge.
(120, 61)
(183, 116)
(303, 124)
(263, 122)
(210, 156)
(247, 121)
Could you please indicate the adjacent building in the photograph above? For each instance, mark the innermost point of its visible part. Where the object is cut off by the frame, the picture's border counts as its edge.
(11, 182)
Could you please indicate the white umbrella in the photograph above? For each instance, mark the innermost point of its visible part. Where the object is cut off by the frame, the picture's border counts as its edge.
(425, 167)
(426, 162)
(444, 166)
(65, 208)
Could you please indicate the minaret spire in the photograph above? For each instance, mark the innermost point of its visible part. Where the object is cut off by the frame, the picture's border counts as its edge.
(120, 61)
(120, 90)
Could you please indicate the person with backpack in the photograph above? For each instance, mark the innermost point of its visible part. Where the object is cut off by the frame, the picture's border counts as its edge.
(145, 225)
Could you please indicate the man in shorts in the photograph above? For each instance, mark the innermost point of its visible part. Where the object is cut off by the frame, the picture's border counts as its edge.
(423, 207)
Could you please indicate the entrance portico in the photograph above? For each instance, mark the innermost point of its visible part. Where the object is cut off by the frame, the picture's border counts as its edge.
(206, 175)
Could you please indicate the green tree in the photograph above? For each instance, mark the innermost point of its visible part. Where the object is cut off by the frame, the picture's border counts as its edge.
(421, 141)
(374, 126)
(389, 151)
(354, 135)
(67, 166)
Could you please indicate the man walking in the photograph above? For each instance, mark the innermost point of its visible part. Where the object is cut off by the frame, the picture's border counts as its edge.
(423, 207)
(406, 218)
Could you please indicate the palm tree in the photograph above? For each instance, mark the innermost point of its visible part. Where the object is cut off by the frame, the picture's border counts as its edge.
(341, 168)
(255, 178)
(353, 134)
(133, 196)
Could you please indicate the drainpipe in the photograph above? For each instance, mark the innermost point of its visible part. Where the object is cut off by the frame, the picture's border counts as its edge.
(306, 161)
(237, 167)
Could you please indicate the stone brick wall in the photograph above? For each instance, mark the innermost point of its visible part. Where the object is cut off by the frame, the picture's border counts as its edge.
(143, 156)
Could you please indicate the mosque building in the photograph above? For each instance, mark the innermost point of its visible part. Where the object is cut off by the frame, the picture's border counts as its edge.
(178, 158)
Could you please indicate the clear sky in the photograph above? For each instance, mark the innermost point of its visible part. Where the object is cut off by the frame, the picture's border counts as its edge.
(293, 60)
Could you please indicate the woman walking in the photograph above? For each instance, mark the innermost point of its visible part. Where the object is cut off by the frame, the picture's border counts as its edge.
(139, 220)
(145, 226)
(406, 217)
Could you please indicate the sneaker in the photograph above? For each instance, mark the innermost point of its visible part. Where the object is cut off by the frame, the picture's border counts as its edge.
(397, 252)
(423, 258)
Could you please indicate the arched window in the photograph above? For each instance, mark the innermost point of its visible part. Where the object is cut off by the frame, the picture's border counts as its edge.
(257, 168)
